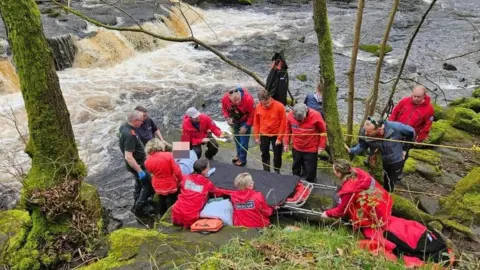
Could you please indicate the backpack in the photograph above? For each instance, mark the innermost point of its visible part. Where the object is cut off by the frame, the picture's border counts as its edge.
(207, 225)
(277, 80)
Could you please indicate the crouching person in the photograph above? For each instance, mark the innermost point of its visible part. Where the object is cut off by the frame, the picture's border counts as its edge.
(166, 173)
(250, 208)
(194, 193)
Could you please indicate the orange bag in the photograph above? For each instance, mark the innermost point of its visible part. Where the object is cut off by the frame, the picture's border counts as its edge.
(207, 225)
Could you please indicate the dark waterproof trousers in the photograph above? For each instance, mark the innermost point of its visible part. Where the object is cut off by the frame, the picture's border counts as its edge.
(165, 202)
(143, 190)
(212, 148)
(265, 143)
(307, 161)
(392, 174)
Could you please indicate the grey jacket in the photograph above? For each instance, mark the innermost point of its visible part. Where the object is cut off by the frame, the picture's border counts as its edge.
(392, 152)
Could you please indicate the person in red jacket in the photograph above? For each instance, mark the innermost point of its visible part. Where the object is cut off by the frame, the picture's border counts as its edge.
(197, 128)
(305, 125)
(415, 111)
(238, 109)
(361, 198)
(194, 193)
(250, 208)
(166, 173)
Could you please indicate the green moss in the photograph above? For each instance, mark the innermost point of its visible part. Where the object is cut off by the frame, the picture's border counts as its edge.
(436, 225)
(291, 102)
(302, 77)
(441, 113)
(374, 48)
(14, 224)
(476, 93)
(429, 156)
(463, 203)
(405, 208)
(318, 202)
(54, 14)
(469, 103)
(466, 119)
(410, 165)
(358, 162)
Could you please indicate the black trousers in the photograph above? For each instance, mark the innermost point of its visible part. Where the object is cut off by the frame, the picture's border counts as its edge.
(212, 148)
(391, 175)
(143, 190)
(265, 143)
(307, 161)
(166, 201)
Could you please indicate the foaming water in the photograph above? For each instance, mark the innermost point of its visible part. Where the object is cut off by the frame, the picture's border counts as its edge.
(8, 78)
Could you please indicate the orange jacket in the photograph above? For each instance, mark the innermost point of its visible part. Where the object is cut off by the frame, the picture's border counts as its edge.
(270, 121)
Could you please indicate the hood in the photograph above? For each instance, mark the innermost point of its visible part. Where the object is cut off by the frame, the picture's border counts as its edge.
(245, 194)
(426, 102)
(362, 182)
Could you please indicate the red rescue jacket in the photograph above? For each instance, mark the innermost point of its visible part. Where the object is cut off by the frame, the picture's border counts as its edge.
(364, 200)
(246, 107)
(312, 124)
(195, 136)
(420, 116)
(250, 209)
(194, 192)
(166, 172)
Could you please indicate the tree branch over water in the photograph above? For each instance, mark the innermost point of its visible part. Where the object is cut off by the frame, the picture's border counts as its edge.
(167, 38)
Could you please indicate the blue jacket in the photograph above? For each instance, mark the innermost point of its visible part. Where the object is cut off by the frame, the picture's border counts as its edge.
(314, 101)
(392, 152)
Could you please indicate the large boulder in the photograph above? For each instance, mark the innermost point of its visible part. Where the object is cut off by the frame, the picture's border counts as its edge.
(466, 119)
(463, 204)
(470, 103)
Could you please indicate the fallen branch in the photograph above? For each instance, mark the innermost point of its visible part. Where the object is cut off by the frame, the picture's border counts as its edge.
(167, 38)
(461, 55)
(405, 56)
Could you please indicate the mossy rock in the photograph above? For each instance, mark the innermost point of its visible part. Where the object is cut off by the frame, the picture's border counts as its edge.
(428, 156)
(91, 201)
(374, 48)
(469, 103)
(133, 248)
(302, 77)
(463, 203)
(14, 224)
(442, 130)
(441, 113)
(466, 119)
(410, 166)
(476, 93)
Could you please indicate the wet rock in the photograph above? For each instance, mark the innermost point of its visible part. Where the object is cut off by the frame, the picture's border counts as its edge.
(451, 155)
(448, 179)
(9, 194)
(450, 67)
(429, 204)
(427, 171)
(64, 51)
(99, 103)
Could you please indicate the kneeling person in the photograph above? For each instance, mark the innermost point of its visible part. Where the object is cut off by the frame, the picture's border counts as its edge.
(194, 192)
(250, 208)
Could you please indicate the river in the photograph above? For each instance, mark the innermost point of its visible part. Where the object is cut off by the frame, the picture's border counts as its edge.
(113, 73)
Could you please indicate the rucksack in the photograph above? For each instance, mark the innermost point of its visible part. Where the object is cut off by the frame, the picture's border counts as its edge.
(277, 80)
(207, 225)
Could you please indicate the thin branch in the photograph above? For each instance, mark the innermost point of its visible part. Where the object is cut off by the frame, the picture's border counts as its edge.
(121, 10)
(461, 55)
(185, 18)
(405, 56)
(173, 39)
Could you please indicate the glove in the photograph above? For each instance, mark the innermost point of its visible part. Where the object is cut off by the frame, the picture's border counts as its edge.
(141, 175)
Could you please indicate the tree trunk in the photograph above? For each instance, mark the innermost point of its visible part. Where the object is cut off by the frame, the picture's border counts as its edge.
(327, 73)
(351, 73)
(405, 56)
(51, 145)
(372, 99)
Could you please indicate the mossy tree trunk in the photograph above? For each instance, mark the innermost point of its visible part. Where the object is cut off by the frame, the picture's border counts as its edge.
(51, 145)
(327, 73)
(351, 72)
(371, 102)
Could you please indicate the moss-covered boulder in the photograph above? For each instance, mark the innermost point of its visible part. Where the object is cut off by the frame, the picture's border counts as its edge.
(133, 248)
(374, 48)
(463, 203)
(476, 93)
(14, 224)
(470, 103)
(437, 131)
(441, 113)
(466, 119)
(426, 155)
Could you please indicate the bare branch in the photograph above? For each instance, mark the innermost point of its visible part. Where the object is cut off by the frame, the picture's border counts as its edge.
(461, 55)
(121, 10)
(173, 39)
(405, 56)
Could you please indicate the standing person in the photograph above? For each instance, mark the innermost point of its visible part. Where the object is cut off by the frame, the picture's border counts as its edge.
(148, 130)
(250, 209)
(269, 125)
(314, 100)
(238, 108)
(134, 154)
(415, 111)
(167, 175)
(195, 189)
(197, 129)
(305, 125)
(393, 152)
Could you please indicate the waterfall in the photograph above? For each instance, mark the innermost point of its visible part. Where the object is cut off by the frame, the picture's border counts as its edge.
(64, 50)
